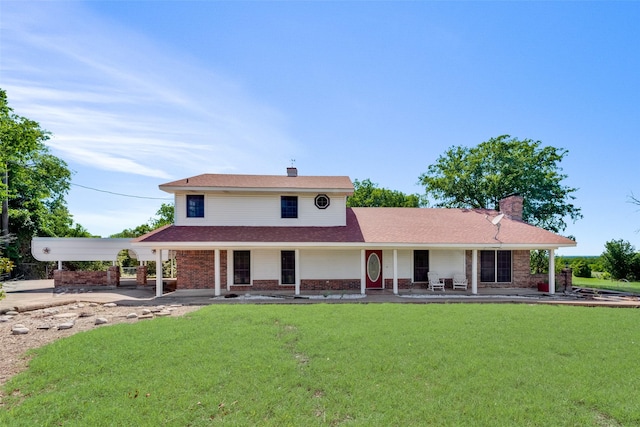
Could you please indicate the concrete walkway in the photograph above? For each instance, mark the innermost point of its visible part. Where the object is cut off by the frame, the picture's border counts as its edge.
(28, 295)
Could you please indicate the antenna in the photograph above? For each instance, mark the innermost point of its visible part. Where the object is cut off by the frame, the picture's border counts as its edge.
(496, 220)
(293, 162)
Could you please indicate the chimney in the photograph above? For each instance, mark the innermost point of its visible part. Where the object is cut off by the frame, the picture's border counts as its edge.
(512, 206)
(292, 171)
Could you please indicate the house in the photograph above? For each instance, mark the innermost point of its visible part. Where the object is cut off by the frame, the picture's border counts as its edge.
(238, 233)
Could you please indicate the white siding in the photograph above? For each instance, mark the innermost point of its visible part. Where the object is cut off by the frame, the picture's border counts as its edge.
(329, 264)
(405, 260)
(447, 262)
(261, 210)
(265, 264)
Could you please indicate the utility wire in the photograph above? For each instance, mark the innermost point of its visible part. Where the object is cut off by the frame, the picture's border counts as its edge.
(120, 194)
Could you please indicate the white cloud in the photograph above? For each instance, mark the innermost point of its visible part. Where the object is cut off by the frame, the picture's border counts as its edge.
(115, 101)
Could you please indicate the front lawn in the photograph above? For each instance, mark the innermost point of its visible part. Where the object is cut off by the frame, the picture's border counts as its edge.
(341, 364)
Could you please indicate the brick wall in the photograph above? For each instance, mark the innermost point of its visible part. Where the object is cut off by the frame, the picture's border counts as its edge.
(141, 275)
(329, 285)
(196, 269)
(111, 277)
(402, 284)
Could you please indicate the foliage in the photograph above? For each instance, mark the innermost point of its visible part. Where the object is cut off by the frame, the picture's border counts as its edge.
(581, 269)
(618, 259)
(324, 364)
(480, 177)
(539, 261)
(36, 186)
(368, 194)
(164, 216)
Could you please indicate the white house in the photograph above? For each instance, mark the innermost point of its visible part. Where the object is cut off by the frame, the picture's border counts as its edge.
(236, 233)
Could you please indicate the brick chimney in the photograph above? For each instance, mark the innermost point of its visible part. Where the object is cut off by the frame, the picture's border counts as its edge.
(512, 206)
(292, 171)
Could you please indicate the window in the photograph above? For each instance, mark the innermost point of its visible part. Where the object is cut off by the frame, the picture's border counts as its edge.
(195, 206)
(241, 267)
(322, 201)
(495, 266)
(288, 267)
(289, 206)
(420, 266)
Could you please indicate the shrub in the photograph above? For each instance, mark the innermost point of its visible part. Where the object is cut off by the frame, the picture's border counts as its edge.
(581, 269)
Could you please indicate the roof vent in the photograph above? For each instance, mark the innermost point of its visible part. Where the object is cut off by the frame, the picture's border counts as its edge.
(292, 171)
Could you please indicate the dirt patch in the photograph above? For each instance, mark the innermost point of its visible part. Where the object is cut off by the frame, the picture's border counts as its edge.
(48, 324)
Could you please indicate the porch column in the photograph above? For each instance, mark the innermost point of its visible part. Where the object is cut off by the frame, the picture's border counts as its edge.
(297, 268)
(216, 262)
(395, 272)
(474, 272)
(552, 272)
(363, 272)
(229, 269)
(59, 265)
(158, 272)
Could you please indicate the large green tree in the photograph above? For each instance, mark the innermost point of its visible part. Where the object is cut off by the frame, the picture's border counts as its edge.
(619, 259)
(479, 177)
(368, 194)
(34, 183)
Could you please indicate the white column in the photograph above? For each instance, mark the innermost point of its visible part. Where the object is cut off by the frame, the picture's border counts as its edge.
(217, 279)
(363, 272)
(59, 265)
(552, 272)
(297, 267)
(229, 269)
(158, 273)
(474, 272)
(395, 272)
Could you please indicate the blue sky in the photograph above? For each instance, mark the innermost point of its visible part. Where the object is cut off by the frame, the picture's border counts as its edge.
(140, 93)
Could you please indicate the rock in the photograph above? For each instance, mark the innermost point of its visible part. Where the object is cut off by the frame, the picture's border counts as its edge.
(111, 304)
(11, 313)
(132, 316)
(51, 311)
(65, 315)
(146, 316)
(93, 304)
(19, 329)
(44, 326)
(163, 313)
(146, 311)
(4, 319)
(66, 325)
(101, 321)
(85, 314)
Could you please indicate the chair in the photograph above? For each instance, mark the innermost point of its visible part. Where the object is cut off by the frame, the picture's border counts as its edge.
(459, 281)
(435, 282)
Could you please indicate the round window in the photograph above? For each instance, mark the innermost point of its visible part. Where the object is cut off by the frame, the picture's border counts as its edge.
(322, 201)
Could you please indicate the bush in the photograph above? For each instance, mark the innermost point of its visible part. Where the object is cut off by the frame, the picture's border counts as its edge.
(581, 269)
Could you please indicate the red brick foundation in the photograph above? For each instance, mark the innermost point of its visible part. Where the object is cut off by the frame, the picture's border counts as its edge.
(111, 277)
(141, 275)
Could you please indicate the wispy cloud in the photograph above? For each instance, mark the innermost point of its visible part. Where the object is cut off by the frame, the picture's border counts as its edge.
(116, 101)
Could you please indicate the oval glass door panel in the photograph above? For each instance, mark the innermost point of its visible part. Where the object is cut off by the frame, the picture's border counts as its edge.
(373, 267)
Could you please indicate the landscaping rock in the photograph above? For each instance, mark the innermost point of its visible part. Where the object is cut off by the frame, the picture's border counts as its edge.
(66, 325)
(44, 326)
(110, 304)
(146, 316)
(146, 311)
(101, 321)
(93, 304)
(163, 313)
(12, 313)
(4, 319)
(19, 329)
(132, 316)
(65, 315)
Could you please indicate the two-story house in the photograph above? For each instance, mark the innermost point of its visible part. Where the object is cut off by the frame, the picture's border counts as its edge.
(236, 233)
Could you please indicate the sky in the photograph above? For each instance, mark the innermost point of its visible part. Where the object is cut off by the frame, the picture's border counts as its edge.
(139, 93)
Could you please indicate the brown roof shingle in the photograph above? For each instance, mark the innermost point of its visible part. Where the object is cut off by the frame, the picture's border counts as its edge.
(228, 181)
(384, 226)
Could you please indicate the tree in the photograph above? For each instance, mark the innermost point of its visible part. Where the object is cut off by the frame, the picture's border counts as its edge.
(164, 216)
(34, 183)
(479, 177)
(618, 259)
(368, 194)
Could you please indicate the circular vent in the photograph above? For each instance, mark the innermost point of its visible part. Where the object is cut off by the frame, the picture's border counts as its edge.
(322, 201)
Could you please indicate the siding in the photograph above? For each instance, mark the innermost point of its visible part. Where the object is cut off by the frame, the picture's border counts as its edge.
(262, 210)
(329, 264)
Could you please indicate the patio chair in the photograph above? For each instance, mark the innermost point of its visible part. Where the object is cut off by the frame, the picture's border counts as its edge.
(435, 282)
(459, 281)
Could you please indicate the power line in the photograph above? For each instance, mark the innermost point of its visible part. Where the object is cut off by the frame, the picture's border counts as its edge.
(120, 194)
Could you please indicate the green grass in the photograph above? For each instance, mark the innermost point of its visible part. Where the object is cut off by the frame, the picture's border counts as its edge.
(598, 283)
(341, 364)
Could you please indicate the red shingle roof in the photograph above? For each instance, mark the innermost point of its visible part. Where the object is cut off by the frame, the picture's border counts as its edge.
(384, 226)
(280, 182)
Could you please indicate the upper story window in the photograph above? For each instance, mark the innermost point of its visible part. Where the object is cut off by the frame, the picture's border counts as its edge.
(322, 201)
(195, 206)
(289, 206)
